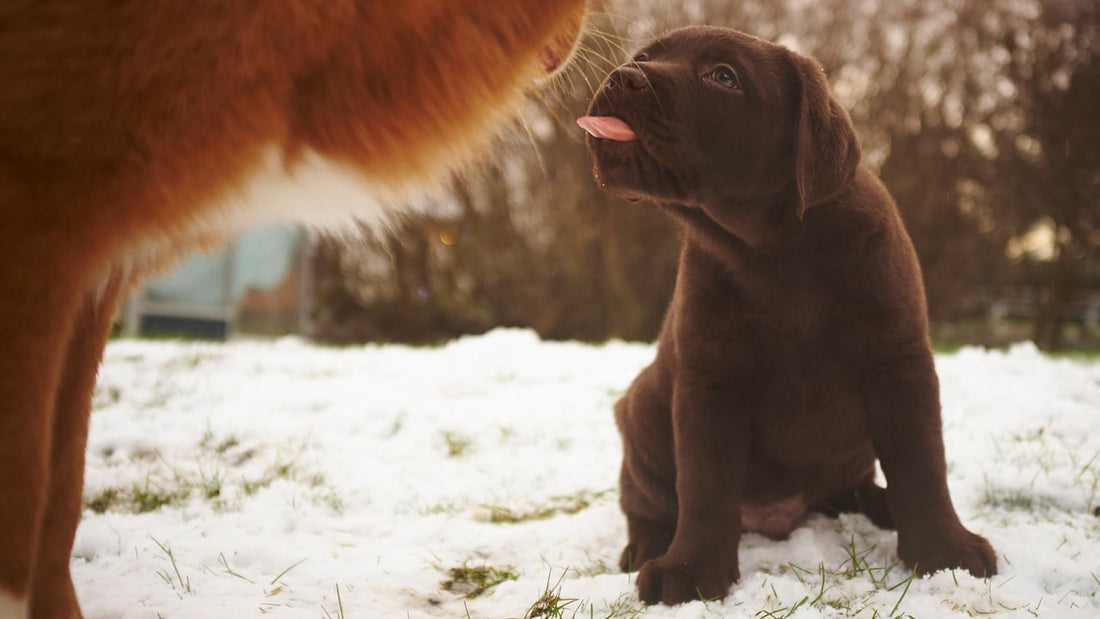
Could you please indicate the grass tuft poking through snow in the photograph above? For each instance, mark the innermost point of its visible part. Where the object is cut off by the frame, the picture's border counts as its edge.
(470, 581)
(479, 479)
(551, 604)
(554, 506)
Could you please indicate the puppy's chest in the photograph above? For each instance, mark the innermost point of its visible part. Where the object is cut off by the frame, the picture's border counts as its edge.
(807, 395)
(785, 346)
(788, 304)
(806, 400)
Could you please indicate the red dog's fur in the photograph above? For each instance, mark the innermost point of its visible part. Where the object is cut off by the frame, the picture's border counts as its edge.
(132, 129)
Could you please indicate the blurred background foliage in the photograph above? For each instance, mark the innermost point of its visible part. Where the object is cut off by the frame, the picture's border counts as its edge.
(982, 117)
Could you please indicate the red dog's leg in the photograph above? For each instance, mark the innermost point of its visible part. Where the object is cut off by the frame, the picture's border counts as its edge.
(52, 592)
(38, 313)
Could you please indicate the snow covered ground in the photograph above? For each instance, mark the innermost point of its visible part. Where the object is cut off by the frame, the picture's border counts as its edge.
(285, 479)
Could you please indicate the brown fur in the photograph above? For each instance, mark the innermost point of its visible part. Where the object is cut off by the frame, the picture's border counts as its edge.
(795, 351)
(126, 129)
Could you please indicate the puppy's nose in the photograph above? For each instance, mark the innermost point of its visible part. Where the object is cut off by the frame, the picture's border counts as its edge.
(628, 77)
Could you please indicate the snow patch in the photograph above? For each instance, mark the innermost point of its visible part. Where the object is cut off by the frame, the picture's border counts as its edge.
(292, 469)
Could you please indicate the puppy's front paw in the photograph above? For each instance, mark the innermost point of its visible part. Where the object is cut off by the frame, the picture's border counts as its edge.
(671, 581)
(961, 549)
(636, 555)
(648, 540)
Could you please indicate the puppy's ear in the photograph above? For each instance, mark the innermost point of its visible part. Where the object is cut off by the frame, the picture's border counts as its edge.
(826, 148)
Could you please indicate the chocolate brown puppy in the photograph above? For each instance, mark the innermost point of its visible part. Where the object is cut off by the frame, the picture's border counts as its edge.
(795, 350)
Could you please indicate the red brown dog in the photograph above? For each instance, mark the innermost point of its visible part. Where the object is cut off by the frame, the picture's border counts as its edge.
(795, 350)
(131, 131)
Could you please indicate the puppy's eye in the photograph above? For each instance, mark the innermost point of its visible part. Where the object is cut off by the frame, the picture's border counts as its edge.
(641, 57)
(725, 77)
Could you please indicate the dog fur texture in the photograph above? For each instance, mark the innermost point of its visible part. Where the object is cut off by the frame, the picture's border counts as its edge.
(131, 130)
(795, 351)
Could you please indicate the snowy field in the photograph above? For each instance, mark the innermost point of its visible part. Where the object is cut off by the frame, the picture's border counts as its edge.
(478, 479)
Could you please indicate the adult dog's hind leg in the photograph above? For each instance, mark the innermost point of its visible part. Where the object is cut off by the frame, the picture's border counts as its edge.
(39, 293)
(52, 592)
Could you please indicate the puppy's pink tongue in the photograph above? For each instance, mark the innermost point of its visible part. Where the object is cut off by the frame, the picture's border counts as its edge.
(607, 128)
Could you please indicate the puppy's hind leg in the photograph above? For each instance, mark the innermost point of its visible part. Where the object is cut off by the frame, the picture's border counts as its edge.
(647, 498)
(647, 537)
(871, 502)
(868, 499)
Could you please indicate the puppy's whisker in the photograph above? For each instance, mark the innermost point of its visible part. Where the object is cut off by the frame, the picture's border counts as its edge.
(612, 44)
(615, 18)
(554, 89)
(547, 105)
(588, 50)
(534, 142)
(584, 75)
(612, 40)
(592, 82)
(564, 84)
(555, 112)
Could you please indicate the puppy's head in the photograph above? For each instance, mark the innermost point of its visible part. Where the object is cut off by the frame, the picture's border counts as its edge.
(715, 118)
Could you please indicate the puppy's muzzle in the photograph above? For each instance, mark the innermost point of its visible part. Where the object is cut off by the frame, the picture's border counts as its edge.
(627, 78)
